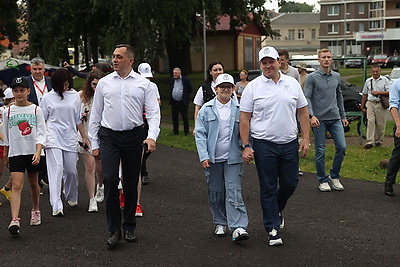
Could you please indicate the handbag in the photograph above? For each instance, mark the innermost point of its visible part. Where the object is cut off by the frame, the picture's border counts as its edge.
(384, 99)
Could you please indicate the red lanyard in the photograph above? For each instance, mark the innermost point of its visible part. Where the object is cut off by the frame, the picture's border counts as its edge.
(40, 90)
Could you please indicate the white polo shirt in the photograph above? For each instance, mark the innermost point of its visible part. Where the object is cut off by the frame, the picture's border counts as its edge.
(273, 107)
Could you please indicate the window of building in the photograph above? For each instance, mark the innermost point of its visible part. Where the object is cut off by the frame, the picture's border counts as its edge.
(291, 35)
(333, 10)
(313, 34)
(375, 24)
(397, 4)
(361, 27)
(248, 52)
(361, 9)
(277, 37)
(300, 34)
(376, 10)
(333, 28)
(397, 24)
(347, 27)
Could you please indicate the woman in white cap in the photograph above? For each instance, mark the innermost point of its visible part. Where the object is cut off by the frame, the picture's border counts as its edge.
(219, 148)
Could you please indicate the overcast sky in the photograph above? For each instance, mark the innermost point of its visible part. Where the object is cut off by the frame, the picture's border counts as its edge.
(274, 3)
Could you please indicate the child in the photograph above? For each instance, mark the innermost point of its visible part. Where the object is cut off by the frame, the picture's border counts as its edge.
(219, 149)
(24, 135)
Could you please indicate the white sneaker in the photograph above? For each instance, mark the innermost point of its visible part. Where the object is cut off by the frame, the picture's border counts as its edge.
(220, 230)
(58, 213)
(240, 234)
(72, 203)
(92, 205)
(99, 193)
(336, 184)
(324, 187)
(274, 239)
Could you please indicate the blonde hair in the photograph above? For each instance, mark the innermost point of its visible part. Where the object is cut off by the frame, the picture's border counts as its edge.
(324, 50)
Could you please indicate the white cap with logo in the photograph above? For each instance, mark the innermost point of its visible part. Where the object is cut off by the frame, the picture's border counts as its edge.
(268, 51)
(8, 94)
(145, 70)
(224, 78)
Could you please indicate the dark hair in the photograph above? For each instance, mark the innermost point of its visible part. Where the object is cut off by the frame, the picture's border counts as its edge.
(210, 66)
(283, 52)
(58, 78)
(87, 91)
(129, 49)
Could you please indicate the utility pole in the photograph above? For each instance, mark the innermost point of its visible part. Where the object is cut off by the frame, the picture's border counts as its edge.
(204, 41)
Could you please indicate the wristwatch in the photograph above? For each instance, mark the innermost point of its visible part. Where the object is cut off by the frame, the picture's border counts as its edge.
(244, 146)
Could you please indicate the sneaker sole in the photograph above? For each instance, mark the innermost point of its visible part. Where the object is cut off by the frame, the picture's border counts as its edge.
(93, 211)
(138, 214)
(324, 190)
(35, 223)
(14, 230)
(276, 242)
(241, 238)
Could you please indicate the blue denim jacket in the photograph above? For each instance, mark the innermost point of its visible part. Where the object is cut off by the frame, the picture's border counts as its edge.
(207, 128)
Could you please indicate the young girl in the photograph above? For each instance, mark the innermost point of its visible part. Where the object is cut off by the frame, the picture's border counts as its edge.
(62, 112)
(92, 165)
(24, 135)
(219, 149)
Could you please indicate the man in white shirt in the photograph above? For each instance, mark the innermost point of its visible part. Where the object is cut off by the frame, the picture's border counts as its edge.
(116, 132)
(39, 84)
(268, 110)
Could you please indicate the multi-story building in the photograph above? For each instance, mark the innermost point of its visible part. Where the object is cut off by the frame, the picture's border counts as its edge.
(298, 33)
(360, 26)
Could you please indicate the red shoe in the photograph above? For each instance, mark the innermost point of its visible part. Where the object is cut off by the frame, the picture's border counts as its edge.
(121, 199)
(139, 212)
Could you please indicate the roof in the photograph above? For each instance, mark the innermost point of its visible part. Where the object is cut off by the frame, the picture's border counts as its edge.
(300, 18)
(224, 25)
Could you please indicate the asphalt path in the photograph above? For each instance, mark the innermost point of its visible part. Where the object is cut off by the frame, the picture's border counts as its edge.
(356, 227)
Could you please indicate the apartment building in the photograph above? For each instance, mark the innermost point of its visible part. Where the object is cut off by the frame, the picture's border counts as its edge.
(360, 26)
(298, 33)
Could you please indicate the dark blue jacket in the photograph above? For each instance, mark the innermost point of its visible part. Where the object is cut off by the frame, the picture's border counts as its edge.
(187, 89)
(32, 97)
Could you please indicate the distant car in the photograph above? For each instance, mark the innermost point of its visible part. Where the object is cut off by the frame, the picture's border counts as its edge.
(394, 75)
(353, 63)
(392, 61)
(351, 96)
(379, 59)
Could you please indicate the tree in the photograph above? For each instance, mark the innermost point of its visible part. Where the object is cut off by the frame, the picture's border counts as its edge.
(290, 6)
(9, 27)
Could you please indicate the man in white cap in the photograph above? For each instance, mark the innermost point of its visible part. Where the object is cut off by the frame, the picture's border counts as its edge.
(218, 146)
(302, 69)
(269, 106)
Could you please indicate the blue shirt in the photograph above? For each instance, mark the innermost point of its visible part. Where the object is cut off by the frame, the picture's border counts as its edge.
(394, 95)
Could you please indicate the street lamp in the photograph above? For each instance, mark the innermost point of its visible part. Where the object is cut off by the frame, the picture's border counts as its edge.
(204, 41)
(382, 27)
(345, 28)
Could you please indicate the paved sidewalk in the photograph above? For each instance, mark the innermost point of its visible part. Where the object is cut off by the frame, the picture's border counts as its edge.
(356, 227)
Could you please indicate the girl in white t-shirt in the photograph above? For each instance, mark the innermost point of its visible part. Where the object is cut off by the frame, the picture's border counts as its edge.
(62, 112)
(24, 135)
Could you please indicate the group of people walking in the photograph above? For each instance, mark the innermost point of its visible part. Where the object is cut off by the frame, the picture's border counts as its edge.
(114, 121)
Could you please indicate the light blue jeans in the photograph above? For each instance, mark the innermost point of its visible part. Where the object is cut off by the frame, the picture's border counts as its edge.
(335, 128)
(225, 195)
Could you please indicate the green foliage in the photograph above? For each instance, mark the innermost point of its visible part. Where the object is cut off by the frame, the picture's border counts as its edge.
(290, 6)
(9, 13)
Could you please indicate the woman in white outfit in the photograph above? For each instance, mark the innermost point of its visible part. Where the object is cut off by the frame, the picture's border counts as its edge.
(62, 113)
(92, 165)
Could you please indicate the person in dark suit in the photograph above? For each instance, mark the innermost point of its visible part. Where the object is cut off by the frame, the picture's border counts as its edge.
(180, 89)
(39, 84)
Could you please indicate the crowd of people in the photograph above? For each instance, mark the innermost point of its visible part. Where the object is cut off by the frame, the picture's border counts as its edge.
(113, 122)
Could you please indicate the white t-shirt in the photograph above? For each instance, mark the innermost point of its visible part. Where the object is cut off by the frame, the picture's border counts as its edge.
(223, 140)
(23, 129)
(273, 107)
(62, 117)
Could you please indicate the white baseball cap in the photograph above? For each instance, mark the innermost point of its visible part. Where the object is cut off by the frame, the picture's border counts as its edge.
(145, 70)
(268, 51)
(8, 94)
(224, 78)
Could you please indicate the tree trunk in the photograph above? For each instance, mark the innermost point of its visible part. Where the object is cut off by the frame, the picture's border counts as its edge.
(179, 56)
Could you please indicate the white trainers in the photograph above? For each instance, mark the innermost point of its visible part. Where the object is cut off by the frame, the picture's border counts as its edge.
(58, 213)
(14, 226)
(72, 203)
(93, 205)
(220, 230)
(36, 218)
(99, 193)
(274, 239)
(324, 187)
(335, 183)
(240, 234)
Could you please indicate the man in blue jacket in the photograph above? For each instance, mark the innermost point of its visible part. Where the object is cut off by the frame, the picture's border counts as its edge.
(180, 90)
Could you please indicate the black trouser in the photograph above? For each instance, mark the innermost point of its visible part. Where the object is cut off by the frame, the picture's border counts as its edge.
(43, 172)
(180, 107)
(124, 146)
(394, 162)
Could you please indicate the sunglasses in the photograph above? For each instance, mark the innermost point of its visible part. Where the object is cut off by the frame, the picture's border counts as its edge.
(225, 87)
